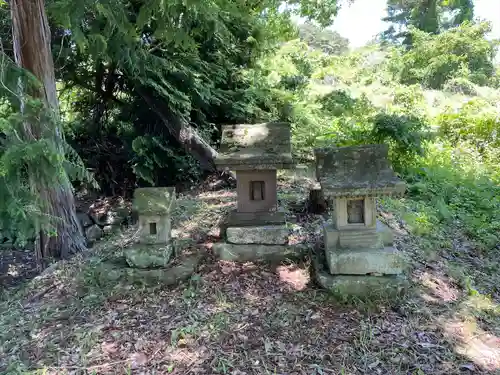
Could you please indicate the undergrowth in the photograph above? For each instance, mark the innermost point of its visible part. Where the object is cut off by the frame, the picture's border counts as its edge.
(444, 144)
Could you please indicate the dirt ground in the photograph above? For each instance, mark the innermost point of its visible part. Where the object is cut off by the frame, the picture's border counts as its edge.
(251, 318)
(16, 266)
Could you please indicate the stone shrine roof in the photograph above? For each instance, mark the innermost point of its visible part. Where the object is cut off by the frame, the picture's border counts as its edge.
(155, 201)
(255, 146)
(357, 171)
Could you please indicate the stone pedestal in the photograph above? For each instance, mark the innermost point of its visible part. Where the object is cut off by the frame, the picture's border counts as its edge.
(367, 253)
(359, 252)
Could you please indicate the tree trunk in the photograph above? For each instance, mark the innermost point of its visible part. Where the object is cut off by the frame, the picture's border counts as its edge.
(185, 134)
(31, 39)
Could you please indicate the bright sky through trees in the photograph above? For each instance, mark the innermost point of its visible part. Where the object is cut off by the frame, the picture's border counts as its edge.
(362, 20)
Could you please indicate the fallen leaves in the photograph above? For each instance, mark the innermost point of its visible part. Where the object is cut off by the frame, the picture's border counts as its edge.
(234, 318)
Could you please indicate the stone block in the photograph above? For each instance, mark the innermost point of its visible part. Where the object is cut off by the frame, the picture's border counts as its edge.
(249, 253)
(360, 239)
(148, 256)
(385, 233)
(364, 286)
(264, 235)
(94, 233)
(351, 239)
(255, 146)
(240, 219)
(387, 261)
(183, 269)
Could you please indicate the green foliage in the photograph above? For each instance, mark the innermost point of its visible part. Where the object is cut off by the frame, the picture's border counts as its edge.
(460, 85)
(453, 187)
(193, 60)
(325, 40)
(475, 125)
(432, 17)
(404, 133)
(461, 52)
(451, 167)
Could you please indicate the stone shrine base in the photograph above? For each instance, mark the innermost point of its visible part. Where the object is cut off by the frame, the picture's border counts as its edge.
(361, 263)
(178, 270)
(256, 252)
(257, 236)
(244, 219)
(361, 286)
(262, 235)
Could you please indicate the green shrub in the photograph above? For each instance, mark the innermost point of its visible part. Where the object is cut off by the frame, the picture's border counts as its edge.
(405, 134)
(458, 52)
(476, 122)
(460, 86)
(457, 191)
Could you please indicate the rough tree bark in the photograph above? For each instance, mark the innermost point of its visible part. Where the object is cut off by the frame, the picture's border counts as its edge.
(31, 39)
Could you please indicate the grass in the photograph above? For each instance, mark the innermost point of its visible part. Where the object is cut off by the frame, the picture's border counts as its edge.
(252, 318)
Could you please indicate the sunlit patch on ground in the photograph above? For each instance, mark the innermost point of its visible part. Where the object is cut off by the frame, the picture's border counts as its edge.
(297, 278)
(438, 289)
(471, 341)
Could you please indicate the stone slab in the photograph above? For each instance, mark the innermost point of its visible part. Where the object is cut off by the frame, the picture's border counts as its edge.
(357, 171)
(154, 200)
(264, 235)
(249, 253)
(255, 146)
(378, 237)
(351, 239)
(387, 261)
(371, 287)
(148, 256)
(239, 219)
(183, 268)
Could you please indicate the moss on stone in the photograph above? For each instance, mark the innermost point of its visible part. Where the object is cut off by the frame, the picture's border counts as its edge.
(154, 201)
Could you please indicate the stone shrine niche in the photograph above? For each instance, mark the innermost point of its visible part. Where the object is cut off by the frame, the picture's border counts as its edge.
(355, 211)
(257, 190)
(152, 228)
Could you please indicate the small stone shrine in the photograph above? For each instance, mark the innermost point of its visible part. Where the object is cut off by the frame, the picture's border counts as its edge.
(359, 253)
(153, 206)
(256, 229)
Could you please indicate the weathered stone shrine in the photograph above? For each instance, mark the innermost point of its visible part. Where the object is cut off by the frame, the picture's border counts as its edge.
(153, 206)
(358, 249)
(256, 229)
(150, 260)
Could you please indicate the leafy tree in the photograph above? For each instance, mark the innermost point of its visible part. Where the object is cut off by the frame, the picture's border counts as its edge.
(177, 59)
(328, 41)
(459, 52)
(432, 16)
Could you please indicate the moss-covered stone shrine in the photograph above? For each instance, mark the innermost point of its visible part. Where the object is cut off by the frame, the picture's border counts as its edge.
(153, 207)
(359, 251)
